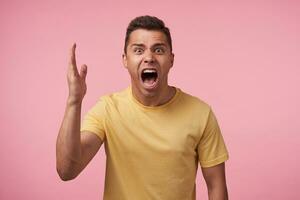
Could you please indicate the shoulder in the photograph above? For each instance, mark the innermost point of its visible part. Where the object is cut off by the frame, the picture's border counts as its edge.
(194, 102)
(115, 98)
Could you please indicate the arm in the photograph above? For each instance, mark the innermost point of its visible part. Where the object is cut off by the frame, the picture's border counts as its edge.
(216, 182)
(74, 150)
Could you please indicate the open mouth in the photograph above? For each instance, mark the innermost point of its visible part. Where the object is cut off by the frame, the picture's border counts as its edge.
(149, 77)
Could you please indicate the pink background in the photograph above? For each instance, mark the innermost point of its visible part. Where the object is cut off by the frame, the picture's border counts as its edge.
(241, 57)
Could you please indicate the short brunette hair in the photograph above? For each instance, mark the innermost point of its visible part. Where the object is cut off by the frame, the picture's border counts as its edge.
(149, 23)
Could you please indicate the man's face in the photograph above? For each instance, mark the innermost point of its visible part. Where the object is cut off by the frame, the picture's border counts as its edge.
(148, 60)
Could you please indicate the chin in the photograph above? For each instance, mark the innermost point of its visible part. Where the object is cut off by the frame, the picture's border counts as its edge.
(144, 91)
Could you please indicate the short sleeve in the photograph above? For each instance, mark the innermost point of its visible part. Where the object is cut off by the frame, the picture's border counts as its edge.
(94, 120)
(211, 148)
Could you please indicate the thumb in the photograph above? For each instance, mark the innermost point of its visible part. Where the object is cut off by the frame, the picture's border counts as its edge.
(83, 72)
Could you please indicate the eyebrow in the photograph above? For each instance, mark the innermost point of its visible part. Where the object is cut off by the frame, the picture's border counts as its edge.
(142, 45)
(159, 44)
(137, 44)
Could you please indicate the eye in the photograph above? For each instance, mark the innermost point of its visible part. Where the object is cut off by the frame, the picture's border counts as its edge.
(138, 50)
(159, 50)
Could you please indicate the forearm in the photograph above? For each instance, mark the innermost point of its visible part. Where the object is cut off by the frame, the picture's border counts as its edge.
(217, 193)
(68, 147)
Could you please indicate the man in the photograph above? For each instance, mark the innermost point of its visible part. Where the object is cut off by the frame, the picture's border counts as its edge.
(154, 134)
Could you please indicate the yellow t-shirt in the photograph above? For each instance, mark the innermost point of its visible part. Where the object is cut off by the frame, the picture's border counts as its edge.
(153, 152)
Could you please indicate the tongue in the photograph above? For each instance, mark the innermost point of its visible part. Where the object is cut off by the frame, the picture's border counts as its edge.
(149, 81)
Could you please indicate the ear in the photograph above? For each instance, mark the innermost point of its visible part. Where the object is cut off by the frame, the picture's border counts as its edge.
(124, 60)
(172, 59)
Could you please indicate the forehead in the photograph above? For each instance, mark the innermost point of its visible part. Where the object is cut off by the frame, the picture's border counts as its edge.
(147, 37)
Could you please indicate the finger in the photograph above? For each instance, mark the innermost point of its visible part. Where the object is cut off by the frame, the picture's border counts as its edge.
(72, 62)
(83, 72)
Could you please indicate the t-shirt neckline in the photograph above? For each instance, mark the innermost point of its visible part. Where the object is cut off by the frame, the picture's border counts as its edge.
(177, 93)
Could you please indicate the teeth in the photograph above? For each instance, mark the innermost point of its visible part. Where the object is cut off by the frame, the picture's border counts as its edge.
(149, 71)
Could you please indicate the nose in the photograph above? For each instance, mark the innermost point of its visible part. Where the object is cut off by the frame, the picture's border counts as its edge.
(149, 58)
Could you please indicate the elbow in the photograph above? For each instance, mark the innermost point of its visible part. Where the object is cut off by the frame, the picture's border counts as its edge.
(67, 169)
(66, 174)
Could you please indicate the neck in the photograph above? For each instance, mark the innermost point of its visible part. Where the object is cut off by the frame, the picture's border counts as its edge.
(157, 98)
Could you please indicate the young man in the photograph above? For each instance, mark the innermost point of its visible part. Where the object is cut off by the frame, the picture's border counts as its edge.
(154, 134)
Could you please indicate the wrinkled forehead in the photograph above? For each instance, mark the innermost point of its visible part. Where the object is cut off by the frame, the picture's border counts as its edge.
(147, 37)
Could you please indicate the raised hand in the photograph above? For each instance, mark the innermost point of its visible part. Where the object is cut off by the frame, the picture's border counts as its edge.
(76, 80)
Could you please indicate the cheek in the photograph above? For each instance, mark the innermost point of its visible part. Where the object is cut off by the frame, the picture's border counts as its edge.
(133, 72)
(167, 65)
(133, 62)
